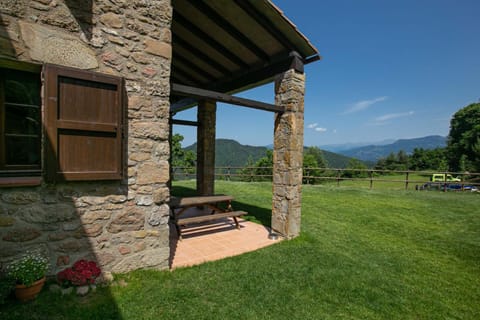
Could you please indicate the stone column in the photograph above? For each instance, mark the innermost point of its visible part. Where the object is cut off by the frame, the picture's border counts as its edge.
(206, 117)
(288, 154)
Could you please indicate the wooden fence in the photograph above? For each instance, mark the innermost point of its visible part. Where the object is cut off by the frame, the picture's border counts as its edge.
(408, 179)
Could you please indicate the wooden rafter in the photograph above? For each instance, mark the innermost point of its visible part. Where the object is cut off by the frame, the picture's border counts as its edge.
(200, 55)
(229, 28)
(266, 24)
(179, 60)
(217, 46)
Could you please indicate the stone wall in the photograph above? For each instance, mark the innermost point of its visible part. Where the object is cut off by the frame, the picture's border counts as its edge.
(123, 225)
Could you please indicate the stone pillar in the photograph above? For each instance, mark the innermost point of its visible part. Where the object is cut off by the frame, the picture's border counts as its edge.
(206, 117)
(288, 154)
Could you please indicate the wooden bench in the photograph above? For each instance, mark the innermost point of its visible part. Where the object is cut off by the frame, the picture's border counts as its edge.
(217, 213)
(212, 217)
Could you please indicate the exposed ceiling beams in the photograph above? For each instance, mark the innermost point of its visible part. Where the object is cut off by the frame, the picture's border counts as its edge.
(227, 46)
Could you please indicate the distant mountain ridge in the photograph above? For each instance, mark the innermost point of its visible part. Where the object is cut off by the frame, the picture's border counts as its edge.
(352, 145)
(375, 152)
(230, 153)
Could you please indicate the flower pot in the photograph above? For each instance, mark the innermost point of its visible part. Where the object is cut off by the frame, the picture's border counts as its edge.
(24, 293)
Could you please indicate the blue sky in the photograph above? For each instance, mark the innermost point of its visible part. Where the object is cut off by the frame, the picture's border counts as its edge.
(390, 69)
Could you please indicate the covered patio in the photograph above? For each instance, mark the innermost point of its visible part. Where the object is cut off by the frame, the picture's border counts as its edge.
(224, 47)
(216, 240)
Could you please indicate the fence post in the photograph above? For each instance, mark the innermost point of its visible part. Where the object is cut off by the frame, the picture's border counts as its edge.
(462, 175)
(371, 179)
(338, 177)
(445, 182)
(406, 181)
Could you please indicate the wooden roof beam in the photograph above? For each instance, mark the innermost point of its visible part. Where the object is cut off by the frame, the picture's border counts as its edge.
(202, 94)
(229, 28)
(184, 122)
(263, 74)
(177, 40)
(219, 47)
(192, 67)
(243, 81)
(182, 105)
(266, 24)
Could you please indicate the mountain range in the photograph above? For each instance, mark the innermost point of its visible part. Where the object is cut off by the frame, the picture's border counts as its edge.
(373, 153)
(352, 145)
(230, 153)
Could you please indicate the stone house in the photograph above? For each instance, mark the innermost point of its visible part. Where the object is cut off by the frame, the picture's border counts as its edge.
(88, 91)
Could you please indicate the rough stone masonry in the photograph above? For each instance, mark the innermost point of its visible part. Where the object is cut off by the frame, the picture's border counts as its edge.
(122, 225)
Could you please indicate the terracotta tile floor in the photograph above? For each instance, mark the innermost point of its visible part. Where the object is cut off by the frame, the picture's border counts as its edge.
(216, 240)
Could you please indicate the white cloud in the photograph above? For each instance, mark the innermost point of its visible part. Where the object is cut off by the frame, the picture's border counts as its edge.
(364, 104)
(393, 116)
(314, 126)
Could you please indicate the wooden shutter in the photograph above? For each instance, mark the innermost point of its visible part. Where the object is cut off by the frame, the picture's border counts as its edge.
(84, 123)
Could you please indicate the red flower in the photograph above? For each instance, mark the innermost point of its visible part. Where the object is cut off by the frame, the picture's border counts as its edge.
(82, 272)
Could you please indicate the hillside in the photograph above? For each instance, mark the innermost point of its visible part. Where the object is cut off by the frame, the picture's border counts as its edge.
(375, 152)
(233, 154)
(335, 160)
(230, 153)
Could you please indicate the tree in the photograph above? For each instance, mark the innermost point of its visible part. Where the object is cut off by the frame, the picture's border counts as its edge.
(264, 165)
(310, 168)
(355, 169)
(434, 159)
(181, 158)
(248, 171)
(463, 148)
(402, 160)
(317, 154)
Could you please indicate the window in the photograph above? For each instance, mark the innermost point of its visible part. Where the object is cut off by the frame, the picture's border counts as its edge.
(20, 122)
(82, 125)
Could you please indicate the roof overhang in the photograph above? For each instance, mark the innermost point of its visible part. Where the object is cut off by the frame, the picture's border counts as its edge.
(228, 46)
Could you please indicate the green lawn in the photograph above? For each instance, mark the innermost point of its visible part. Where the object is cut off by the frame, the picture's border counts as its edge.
(363, 254)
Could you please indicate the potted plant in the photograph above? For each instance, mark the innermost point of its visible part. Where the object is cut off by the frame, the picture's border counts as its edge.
(29, 275)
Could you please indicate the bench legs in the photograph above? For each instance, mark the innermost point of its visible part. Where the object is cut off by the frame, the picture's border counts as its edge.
(200, 219)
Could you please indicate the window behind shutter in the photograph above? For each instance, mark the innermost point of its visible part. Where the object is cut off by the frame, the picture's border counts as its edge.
(83, 122)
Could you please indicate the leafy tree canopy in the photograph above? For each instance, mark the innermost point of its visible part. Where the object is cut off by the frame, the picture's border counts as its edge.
(180, 157)
(317, 154)
(464, 139)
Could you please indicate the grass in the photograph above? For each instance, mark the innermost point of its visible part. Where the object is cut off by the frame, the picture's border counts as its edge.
(363, 254)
